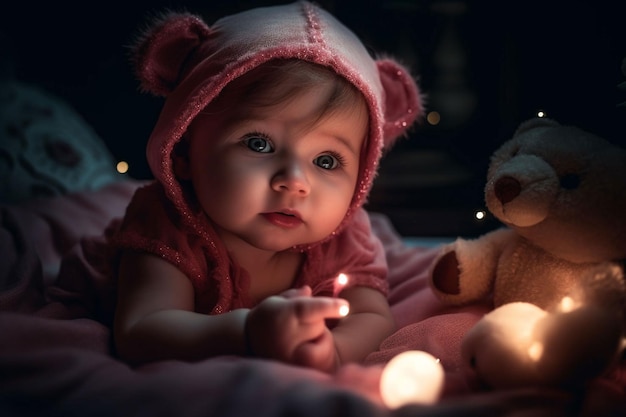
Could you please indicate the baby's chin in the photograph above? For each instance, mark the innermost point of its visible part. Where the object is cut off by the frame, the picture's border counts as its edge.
(277, 244)
(280, 240)
(297, 244)
(294, 246)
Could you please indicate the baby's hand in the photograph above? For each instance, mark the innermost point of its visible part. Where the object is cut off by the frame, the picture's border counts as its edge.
(291, 328)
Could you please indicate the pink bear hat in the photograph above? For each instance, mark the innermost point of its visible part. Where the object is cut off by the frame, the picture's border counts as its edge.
(187, 61)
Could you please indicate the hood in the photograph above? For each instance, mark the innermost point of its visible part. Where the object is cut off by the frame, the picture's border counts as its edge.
(189, 62)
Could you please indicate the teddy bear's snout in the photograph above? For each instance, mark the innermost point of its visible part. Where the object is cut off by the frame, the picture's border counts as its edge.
(521, 190)
(507, 189)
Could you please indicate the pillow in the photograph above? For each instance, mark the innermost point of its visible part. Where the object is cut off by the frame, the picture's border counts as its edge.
(46, 147)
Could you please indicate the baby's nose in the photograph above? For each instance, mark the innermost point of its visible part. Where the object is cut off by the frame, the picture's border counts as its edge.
(291, 178)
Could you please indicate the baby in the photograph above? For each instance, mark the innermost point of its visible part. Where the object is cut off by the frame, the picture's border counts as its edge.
(264, 153)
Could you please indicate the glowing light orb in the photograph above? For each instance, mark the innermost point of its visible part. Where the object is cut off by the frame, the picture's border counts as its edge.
(412, 377)
(480, 215)
(535, 351)
(342, 279)
(344, 310)
(567, 304)
(541, 113)
(340, 282)
(433, 118)
(122, 167)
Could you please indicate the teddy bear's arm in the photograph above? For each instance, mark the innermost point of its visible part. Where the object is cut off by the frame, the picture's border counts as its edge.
(464, 270)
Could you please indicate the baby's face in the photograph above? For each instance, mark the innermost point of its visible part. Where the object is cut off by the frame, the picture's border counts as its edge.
(273, 179)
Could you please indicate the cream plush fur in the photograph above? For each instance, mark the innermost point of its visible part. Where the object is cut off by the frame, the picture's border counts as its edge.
(556, 271)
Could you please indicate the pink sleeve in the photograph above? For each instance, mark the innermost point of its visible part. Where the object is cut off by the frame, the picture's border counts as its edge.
(149, 226)
(356, 252)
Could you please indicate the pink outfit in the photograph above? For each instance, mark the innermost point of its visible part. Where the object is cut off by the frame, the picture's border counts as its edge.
(189, 62)
(221, 285)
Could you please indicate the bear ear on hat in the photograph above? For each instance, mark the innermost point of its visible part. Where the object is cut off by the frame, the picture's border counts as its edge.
(160, 53)
(402, 100)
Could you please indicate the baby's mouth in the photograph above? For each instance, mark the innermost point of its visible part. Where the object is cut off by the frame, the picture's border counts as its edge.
(285, 218)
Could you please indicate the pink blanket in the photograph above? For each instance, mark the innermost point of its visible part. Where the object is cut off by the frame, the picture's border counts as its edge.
(56, 357)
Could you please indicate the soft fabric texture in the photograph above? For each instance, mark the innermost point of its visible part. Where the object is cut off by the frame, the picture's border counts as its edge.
(190, 62)
(561, 193)
(56, 355)
(202, 257)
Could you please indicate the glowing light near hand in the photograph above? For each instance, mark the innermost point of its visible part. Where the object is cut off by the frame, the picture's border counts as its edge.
(344, 310)
(412, 377)
(340, 282)
(342, 279)
(480, 215)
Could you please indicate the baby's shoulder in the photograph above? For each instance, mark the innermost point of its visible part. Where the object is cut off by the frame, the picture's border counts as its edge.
(149, 212)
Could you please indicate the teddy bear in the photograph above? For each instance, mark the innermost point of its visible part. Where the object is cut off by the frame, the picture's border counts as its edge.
(554, 270)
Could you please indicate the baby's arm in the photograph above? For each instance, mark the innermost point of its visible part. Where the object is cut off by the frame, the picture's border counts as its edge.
(155, 316)
(370, 321)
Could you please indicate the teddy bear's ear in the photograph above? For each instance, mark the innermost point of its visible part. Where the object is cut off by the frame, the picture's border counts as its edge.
(159, 54)
(534, 123)
(403, 103)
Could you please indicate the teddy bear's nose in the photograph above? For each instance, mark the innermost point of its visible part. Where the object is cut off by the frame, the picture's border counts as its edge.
(507, 188)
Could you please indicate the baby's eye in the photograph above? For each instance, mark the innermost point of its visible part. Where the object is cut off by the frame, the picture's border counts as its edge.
(326, 162)
(258, 144)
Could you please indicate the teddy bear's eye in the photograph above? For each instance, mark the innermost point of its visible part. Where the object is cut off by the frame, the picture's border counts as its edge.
(570, 181)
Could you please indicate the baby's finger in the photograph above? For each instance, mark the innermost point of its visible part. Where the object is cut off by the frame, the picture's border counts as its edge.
(312, 309)
(304, 291)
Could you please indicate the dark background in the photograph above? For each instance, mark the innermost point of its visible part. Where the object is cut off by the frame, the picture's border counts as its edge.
(485, 66)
